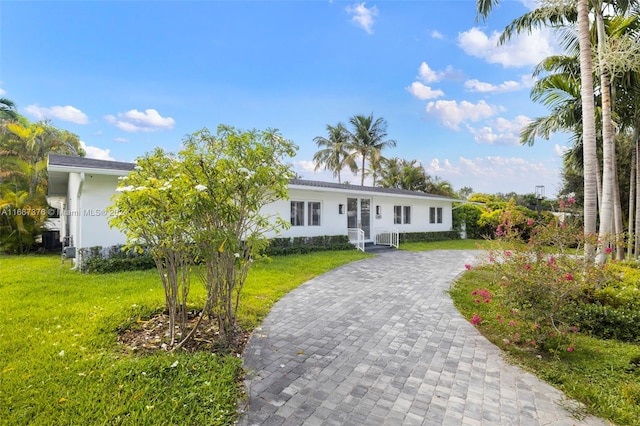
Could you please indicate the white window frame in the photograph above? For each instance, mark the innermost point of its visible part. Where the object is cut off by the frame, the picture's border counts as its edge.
(400, 216)
(406, 215)
(397, 215)
(435, 215)
(297, 212)
(310, 212)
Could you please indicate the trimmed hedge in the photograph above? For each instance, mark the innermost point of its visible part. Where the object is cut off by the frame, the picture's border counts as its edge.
(300, 245)
(104, 260)
(414, 237)
(620, 323)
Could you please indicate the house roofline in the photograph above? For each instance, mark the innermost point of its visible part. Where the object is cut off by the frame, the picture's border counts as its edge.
(370, 190)
(64, 163)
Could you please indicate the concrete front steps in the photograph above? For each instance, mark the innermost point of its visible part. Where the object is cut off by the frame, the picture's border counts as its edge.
(371, 247)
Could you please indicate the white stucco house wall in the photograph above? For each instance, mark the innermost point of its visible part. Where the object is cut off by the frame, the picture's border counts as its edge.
(81, 188)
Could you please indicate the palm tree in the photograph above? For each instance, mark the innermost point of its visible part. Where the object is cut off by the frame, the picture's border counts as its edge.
(391, 173)
(559, 92)
(439, 186)
(8, 110)
(368, 138)
(334, 154)
(402, 174)
(484, 8)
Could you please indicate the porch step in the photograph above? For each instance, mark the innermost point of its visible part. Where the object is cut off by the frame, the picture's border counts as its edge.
(373, 248)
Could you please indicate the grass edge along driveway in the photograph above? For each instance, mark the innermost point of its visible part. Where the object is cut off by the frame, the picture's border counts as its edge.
(60, 362)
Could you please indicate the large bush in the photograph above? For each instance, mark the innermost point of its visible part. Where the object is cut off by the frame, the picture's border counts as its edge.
(540, 274)
(468, 215)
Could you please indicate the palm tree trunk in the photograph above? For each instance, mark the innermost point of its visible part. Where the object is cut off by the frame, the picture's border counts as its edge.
(589, 129)
(617, 209)
(608, 181)
(632, 199)
(362, 171)
(636, 144)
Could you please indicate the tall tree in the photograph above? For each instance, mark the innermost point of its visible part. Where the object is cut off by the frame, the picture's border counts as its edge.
(24, 148)
(402, 174)
(484, 8)
(334, 153)
(369, 138)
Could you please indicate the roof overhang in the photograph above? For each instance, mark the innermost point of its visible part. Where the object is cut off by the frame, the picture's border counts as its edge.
(354, 190)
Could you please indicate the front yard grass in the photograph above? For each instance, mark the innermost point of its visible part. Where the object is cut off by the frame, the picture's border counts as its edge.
(445, 245)
(60, 362)
(603, 374)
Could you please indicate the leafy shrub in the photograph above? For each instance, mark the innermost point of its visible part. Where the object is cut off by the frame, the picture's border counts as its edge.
(468, 215)
(301, 245)
(414, 237)
(520, 218)
(621, 323)
(104, 260)
(538, 286)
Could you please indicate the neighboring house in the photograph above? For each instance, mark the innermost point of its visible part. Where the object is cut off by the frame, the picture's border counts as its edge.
(82, 189)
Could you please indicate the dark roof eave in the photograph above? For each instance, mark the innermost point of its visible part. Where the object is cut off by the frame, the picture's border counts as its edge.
(64, 161)
(370, 189)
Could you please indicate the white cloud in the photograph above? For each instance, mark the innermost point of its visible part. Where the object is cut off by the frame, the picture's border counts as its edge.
(428, 75)
(2, 92)
(137, 121)
(492, 174)
(522, 50)
(121, 140)
(96, 153)
(530, 4)
(437, 35)
(423, 92)
(64, 113)
(362, 16)
(451, 113)
(560, 150)
(501, 131)
(478, 86)
(305, 165)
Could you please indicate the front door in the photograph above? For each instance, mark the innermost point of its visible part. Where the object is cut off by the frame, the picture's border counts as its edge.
(359, 214)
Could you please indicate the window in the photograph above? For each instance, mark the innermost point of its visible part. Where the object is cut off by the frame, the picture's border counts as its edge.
(407, 214)
(435, 215)
(397, 215)
(402, 214)
(297, 213)
(314, 213)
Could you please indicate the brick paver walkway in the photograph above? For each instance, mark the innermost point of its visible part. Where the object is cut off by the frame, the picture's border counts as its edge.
(378, 342)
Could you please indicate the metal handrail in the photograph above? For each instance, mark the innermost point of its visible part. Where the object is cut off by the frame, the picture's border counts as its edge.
(395, 237)
(389, 238)
(356, 236)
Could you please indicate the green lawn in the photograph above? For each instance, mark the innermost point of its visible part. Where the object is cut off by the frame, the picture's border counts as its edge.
(444, 245)
(59, 358)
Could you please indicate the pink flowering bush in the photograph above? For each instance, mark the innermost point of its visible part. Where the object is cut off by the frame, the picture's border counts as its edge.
(475, 319)
(539, 278)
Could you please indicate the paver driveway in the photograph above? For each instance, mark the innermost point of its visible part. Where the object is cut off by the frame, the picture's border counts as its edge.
(378, 341)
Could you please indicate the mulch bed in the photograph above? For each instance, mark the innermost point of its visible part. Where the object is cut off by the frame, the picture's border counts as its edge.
(152, 334)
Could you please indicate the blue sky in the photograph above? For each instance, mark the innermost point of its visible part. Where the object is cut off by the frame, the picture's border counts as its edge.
(127, 76)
